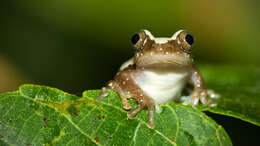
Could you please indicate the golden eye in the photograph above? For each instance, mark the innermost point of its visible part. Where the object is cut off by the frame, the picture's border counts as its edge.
(186, 41)
(138, 39)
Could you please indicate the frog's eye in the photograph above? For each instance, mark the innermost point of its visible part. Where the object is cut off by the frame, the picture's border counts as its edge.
(185, 41)
(138, 39)
(135, 38)
(189, 39)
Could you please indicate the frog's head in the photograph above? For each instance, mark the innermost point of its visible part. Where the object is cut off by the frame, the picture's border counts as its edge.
(175, 50)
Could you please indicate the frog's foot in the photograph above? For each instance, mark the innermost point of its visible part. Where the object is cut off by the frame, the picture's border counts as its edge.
(127, 106)
(112, 85)
(131, 114)
(146, 102)
(212, 94)
(186, 100)
(200, 96)
(150, 125)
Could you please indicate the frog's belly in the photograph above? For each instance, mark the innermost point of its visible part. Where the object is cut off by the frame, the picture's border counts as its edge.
(161, 87)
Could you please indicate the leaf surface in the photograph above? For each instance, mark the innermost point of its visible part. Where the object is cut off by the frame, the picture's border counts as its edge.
(239, 90)
(37, 115)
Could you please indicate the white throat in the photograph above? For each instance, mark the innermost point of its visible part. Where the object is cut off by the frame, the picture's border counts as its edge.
(161, 87)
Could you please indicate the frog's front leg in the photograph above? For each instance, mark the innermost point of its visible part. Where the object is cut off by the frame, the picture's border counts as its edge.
(144, 101)
(113, 85)
(199, 92)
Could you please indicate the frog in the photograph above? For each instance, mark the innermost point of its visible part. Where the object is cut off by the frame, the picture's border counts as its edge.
(159, 71)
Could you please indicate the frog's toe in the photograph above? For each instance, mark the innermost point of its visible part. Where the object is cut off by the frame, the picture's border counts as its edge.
(130, 115)
(195, 101)
(196, 98)
(151, 125)
(204, 100)
(212, 94)
(104, 93)
(158, 109)
(127, 107)
(101, 97)
(186, 100)
(214, 104)
(211, 103)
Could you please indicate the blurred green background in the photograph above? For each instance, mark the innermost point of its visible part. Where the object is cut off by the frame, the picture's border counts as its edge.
(79, 45)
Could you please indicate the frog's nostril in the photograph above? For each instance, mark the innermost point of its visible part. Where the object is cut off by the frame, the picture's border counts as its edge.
(189, 39)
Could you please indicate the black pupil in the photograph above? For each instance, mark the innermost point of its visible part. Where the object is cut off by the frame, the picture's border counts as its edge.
(135, 38)
(189, 39)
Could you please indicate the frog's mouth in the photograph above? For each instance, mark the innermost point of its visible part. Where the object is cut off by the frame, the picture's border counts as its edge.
(164, 60)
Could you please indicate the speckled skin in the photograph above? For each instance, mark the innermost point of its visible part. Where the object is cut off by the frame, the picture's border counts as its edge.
(163, 58)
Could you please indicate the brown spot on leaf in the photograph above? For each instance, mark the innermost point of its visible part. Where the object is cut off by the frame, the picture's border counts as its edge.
(67, 107)
(45, 120)
(72, 110)
(74, 113)
(93, 121)
(109, 137)
(97, 139)
(1, 136)
(100, 117)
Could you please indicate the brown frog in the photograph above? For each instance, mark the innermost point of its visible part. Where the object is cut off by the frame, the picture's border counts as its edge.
(158, 73)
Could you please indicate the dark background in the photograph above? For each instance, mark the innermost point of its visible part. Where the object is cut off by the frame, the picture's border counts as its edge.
(79, 45)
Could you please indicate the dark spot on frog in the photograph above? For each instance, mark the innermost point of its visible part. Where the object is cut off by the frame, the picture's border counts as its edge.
(97, 139)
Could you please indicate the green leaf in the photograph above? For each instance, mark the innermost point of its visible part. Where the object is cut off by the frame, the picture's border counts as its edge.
(38, 115)
(239, 88)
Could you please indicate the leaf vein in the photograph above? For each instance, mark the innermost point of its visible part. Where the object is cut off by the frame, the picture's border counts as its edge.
(135, 133)
(178, 122)
(71, 140)
(24, 124)
(10, 108)
(66, 117)
(38, 133)
(138, 119)
(150, 139)
(89, 112)
(217, 134)
(117, 127)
